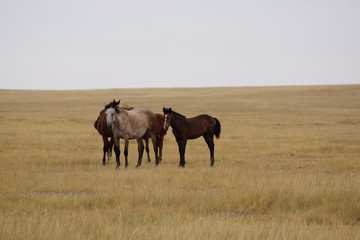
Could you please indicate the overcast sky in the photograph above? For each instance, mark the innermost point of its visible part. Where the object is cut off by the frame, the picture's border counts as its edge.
(72, 44)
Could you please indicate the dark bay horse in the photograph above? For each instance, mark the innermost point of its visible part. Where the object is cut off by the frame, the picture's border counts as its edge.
(131, 124)
(191, 128)
(160, 133)
(100, 126)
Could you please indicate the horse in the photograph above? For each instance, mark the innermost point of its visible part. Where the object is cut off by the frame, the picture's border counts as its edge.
(100, 126)
(192, 128)
(160, 133)
(131, 124)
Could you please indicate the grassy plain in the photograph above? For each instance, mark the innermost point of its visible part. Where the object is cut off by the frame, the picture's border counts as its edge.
(287, 166)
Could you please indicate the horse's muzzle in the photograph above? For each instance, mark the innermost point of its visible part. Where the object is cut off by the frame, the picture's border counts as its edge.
(108, 126)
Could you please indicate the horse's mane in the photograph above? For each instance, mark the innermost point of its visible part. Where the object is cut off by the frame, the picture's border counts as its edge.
(127, 108)
(109, 105)
(115, 105)
(177, 114)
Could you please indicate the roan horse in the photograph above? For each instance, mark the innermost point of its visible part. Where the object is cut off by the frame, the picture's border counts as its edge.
(100, 126)
(160, 132)
(131, 124)
(191, 128)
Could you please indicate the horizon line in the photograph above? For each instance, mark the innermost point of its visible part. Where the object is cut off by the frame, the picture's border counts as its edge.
(178, 87)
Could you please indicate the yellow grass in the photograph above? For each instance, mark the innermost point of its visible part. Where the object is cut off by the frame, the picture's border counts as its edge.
(287, 166)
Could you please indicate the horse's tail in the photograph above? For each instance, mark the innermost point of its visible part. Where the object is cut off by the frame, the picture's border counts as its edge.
(95, 123)
(217, 128)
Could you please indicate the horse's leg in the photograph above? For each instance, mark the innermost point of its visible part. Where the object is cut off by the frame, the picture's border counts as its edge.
(109, 147)
(109, 152)
(155, 145)
(140, 150)
(105, 148)
(126, 152)
(147, 147)
(117, 151)
(104, 152)
(183, 150)
(160, 140)
(209, 139)
(182, 146)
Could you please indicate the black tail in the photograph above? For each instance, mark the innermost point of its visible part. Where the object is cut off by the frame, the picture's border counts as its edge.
(95, 123)
(217, 130)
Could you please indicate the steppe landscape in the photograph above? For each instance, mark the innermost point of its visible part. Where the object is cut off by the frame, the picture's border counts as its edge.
(287, 166)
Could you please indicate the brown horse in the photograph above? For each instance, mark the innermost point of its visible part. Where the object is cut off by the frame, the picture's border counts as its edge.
(160, 132)
(100, 126)
(191, 128)
(131, 124)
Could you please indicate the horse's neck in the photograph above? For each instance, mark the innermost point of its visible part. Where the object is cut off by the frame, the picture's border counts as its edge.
(122, 111)
(121, 116)
(177, 122)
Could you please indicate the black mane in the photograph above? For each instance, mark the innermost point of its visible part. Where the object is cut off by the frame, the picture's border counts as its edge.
(169, 110)
(108, 106)
(112, 104)
(177, 114)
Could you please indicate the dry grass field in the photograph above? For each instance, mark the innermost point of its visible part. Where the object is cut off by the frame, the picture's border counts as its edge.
(287, 166)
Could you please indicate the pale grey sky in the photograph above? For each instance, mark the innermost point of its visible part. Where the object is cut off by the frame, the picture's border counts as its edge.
(72, 44)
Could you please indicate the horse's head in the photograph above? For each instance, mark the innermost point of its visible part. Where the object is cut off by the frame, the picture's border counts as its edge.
(167, 117)
(110, 110)
(110, 117)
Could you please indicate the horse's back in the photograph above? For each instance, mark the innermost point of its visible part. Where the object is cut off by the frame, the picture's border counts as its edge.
(202, 119)
(196, 126)
(141, 119)
(141, 112)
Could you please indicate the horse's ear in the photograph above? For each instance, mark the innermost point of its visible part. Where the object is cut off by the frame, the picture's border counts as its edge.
(118, 102)
(164, 109)
(170, 110)
(113, 104)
